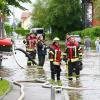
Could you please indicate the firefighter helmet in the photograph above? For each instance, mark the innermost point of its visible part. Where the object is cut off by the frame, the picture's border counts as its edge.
(56, 39)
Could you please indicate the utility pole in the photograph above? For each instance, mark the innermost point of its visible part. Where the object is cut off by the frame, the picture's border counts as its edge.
(1, 26)
(13, 24)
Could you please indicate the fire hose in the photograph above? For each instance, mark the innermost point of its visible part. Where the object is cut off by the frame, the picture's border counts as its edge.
(19, 83)
(27, 55)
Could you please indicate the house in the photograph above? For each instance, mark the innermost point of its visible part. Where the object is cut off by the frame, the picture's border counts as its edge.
(95, 21)
(26, 19)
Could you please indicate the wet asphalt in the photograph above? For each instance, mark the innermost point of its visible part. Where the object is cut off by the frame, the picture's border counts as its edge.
(89, 78)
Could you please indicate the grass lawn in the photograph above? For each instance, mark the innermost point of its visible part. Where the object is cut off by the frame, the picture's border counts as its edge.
(4, 86)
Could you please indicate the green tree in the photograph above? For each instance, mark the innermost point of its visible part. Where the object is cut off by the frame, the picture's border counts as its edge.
(4, 5)
(8, 28)
(40, 13)
(65, 15)
(61, 15)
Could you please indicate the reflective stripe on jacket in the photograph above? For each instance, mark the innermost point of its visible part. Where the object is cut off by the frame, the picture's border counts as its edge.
(73, 52)
(55, 54)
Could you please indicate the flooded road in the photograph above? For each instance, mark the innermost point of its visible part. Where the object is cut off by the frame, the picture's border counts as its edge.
(89, 78)
(11, 70)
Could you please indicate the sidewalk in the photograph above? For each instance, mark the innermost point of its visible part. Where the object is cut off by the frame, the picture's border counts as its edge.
(13, 94)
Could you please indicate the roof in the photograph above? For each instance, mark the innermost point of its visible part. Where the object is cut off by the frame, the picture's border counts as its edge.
(25, 14)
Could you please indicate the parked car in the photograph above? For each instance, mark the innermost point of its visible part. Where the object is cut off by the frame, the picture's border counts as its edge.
(5, 42)
(77, 38)
(39, 32)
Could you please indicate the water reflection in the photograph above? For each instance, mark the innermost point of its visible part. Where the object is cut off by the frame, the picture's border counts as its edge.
(21, 74)
(73, 94)
(35, 73)
(74, 83)
(6, 72)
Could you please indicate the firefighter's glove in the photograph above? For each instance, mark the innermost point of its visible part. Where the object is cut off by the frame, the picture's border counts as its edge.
(24, 41)
(65, 58)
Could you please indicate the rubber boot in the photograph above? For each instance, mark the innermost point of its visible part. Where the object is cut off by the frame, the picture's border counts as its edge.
(59, 83)
(52, 81)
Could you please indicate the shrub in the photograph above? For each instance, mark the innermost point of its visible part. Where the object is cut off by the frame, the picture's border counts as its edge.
(97, 31)
(88, 32)
(48, 36)
(91, 32)
(75, 32)
(22, 31)
(8, 29)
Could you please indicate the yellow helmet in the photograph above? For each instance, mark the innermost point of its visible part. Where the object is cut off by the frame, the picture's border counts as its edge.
(56, 39)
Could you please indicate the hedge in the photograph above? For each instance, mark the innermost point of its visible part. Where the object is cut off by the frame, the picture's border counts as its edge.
(91, 32)
(21, 31)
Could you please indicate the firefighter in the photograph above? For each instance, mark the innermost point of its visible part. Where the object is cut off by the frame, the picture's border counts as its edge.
(55, 60)
(31, 41)
(67, 38)
(41, 50)
(74, 56)
(64, 55)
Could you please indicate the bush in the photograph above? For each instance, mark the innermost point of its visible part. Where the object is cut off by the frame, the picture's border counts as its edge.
(8, 29)
(48, 36)
(88, 32)
(22, 31)
(91, 32)
(97, 31)
(75, 33)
